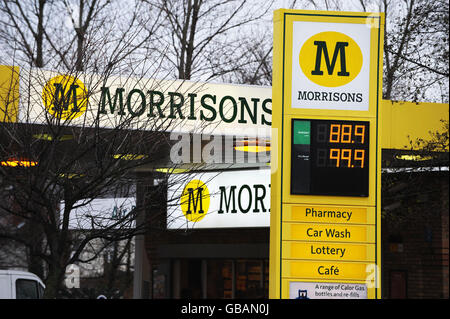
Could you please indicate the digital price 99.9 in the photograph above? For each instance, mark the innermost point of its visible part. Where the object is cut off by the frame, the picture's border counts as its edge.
(345, 145)
(330, 157)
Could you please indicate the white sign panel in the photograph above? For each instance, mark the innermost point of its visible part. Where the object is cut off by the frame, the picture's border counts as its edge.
(326, 290)
(180, 106)
(101, 213)
(330, 66)
(219, 200)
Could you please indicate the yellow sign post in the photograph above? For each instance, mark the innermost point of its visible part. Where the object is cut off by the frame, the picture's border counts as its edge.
(325, 192)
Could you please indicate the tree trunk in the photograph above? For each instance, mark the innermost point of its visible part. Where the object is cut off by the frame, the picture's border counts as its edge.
(40, 36)
(54, 281)
(80, 50)
(80, 38)
(35, 264)
(59, 259)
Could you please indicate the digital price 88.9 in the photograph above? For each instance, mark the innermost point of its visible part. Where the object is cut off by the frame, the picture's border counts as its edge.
(345, 145)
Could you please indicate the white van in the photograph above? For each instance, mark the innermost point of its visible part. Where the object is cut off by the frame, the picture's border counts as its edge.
(15, 284)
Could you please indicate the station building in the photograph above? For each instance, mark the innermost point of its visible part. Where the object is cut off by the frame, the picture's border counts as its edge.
(210, 192)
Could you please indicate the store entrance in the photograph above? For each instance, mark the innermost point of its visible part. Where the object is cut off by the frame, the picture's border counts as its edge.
(221, 278)
(191, 279)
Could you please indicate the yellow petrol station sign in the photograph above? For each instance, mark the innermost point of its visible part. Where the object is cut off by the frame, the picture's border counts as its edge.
(325, 192)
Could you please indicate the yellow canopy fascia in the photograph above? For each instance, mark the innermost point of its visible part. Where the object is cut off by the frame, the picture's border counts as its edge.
(404, 123)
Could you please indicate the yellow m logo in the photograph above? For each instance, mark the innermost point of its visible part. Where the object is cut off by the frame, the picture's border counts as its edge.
(195, 200)
(65, 97)
(330, 59)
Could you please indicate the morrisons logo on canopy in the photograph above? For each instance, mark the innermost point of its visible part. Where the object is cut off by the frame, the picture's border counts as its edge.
(67, 97)
(190, 106)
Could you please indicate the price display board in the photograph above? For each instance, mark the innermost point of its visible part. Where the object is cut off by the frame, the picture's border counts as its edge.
(330, 157)
(325, 206)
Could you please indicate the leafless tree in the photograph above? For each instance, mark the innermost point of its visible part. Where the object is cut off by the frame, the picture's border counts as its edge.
(415, 51)
(200, 37)
(53, 166)
(60, 156)
(22, 29)
(61, 34)
(255, 64)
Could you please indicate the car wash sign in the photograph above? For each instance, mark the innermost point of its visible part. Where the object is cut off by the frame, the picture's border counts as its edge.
(219, 200)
